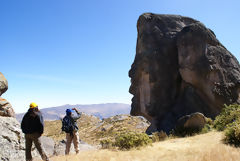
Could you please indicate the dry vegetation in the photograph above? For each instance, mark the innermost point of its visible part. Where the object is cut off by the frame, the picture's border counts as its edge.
(204, 147)
(92, 130)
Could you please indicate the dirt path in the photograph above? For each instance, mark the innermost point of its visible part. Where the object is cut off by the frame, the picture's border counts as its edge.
(205, 147)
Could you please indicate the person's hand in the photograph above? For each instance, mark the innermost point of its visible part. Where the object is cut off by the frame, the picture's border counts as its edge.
(74, 109)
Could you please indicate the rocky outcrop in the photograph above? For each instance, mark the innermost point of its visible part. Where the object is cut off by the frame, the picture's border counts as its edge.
(180, 68)
(5, 107)
(11, 137)
(12, 142)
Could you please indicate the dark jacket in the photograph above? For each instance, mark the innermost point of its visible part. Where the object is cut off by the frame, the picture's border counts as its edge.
(74, 119)
(32, 122)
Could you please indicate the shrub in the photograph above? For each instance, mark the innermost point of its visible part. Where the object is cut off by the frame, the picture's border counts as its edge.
(208, 126)
(106, 143)
(232, 133)
(209, 121)
(131, 140)
(228, 115)
(229, 120)
(159, 136)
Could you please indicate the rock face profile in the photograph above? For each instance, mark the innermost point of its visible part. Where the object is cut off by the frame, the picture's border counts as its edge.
(180, 68)
(5, 107)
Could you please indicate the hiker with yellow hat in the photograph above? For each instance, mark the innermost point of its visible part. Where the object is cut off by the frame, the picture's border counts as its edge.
(32, 126)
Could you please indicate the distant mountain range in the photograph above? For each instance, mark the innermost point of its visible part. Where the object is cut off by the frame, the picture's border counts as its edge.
(99, 110)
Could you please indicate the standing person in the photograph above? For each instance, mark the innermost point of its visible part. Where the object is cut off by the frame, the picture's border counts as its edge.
(69, 125)
(32, 126)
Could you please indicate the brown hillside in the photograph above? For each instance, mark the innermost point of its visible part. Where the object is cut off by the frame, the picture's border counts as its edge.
(92, 129)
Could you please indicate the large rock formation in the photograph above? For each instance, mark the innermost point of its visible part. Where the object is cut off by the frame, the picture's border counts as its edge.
(5, 107)
(180, 68)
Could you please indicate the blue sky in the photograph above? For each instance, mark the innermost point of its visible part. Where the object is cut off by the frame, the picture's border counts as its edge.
(56, 52)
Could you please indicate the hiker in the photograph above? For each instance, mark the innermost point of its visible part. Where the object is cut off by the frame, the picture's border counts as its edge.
(32, 126)
(69, 125)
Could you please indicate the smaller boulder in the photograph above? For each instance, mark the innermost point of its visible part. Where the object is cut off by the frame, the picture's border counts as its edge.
(6, 108)
(48, 145)
(189, 124)
(3, 84)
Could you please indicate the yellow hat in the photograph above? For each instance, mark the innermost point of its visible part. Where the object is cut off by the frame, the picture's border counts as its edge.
(33, 105)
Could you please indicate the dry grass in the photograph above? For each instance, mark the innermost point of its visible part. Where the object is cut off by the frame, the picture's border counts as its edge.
(205, 147)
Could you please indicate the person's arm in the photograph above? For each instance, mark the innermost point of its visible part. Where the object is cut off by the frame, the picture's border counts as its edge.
(78, 114)
(41, 124)
(23, 124)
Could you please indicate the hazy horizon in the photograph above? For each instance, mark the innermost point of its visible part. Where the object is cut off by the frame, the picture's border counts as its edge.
(74, 105)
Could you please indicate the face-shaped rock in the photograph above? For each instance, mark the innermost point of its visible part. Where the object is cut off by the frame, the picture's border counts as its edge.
(154, 74)
(171, 74)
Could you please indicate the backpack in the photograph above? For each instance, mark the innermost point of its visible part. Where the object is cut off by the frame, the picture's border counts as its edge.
(67, 124)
